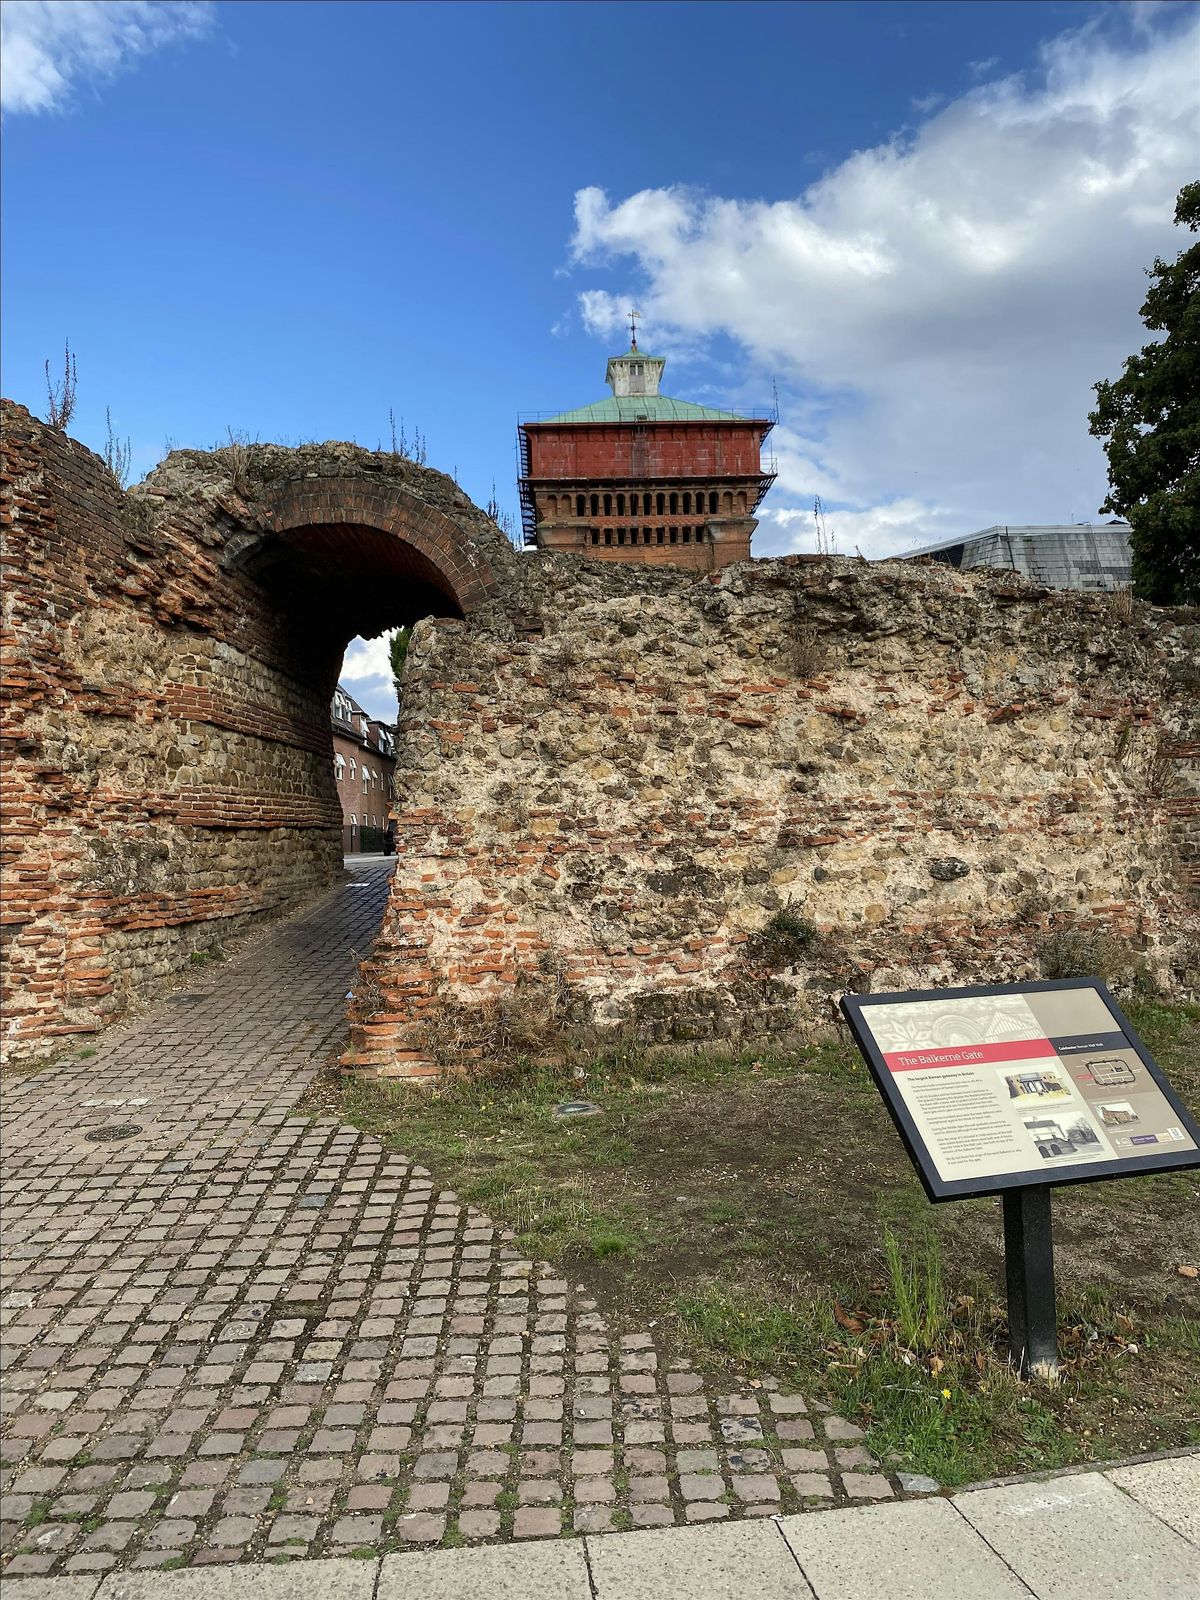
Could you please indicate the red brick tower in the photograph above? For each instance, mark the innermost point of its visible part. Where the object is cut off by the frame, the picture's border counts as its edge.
(641, 477)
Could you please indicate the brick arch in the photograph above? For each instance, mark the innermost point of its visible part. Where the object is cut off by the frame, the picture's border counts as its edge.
(457, 559)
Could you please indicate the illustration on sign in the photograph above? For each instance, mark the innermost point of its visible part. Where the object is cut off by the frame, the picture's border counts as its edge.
(1037, 1081)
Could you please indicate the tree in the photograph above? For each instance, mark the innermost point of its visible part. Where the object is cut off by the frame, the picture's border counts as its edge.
(1149, 419)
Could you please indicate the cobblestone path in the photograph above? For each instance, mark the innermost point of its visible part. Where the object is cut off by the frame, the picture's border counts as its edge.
(234, 1333)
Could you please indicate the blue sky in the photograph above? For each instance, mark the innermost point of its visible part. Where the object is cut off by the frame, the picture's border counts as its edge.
(927, 224)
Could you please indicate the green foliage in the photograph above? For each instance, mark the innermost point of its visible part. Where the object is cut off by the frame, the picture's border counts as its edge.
(784, 939)
(752, 1327)
(1149, 420)
(918, 1297)
(398, 651)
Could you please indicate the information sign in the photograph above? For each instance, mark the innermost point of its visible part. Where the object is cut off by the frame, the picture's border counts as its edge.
(999, 1088)
(1008, 1090)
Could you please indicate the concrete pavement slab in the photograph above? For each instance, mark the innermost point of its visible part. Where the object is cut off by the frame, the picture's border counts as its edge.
(301, 1580)
(1078, 1538)
(725, 1562)
(49, 1588)
(918, 1550)
(1170, 1489)
(550, 1571)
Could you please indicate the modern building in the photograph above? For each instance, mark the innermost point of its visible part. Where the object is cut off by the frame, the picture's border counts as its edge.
(642, 477)
(1075, 555)
(364, 763)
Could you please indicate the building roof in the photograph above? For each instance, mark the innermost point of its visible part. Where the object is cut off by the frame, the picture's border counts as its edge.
(642, 408)
(345, 714)
(1036, 530)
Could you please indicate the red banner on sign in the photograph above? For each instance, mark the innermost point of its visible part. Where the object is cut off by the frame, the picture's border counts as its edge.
(969, 1055)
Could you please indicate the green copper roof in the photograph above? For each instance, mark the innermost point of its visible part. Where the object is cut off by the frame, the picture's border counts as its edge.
(644, 408)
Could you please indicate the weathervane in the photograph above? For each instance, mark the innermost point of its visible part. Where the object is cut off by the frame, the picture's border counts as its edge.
(633, 316)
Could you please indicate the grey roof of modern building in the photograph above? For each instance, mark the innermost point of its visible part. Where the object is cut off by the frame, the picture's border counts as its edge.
(1034, 530)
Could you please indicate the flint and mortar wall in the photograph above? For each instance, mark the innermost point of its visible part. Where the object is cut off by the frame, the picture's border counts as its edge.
(604, 809)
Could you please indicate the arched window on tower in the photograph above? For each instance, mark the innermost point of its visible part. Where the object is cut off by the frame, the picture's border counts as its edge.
(662, 503)
(608, 505)
(687, 502)
(712, 500)
(580, 505)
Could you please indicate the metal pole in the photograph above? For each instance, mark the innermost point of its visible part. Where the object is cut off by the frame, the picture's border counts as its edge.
(1029, 1268)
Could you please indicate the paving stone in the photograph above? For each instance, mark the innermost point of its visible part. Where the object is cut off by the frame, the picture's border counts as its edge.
(536, 1522)
(701, 1486)
(1170, 1489)
(1091, 1539)
(795, 1430)
(556, 1570)
(479, 1524)
(705, 1511)
(838, 1428)
(867, 1486)
(729, 1558)
(919, 1551)
(421, 1527)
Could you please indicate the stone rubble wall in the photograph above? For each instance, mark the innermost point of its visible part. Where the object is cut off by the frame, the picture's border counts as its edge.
(620, 787)
(604, 811)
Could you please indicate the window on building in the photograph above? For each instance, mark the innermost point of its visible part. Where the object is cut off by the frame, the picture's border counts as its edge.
(687, 536)
(620, 505)
(712, 501)
(595, 536)
(674, 535)
(660, 536)
(608, 535)
(661, 506)
(647, 502)
(687, 503)
(595, 505)
(608, 505)
(580, 502)
(353, 767)
(674, 504)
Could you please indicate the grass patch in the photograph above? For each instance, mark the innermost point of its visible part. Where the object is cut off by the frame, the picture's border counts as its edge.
(759, 1210)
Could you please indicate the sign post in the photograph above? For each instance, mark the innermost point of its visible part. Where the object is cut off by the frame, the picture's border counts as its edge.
(1014, 1088)
(1029, 1270)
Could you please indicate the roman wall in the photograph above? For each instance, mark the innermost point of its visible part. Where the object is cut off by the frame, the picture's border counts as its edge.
(687, 807)
(169, 655)
(679, 805)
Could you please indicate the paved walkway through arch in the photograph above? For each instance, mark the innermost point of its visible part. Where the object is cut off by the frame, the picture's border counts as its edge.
(234, 1333)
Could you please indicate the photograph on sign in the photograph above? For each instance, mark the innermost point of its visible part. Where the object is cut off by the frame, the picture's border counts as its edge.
(1019, 1083)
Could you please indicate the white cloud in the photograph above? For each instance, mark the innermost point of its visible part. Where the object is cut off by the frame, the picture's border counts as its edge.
(48, 46)
(937, 308)
(368, 659)
(367, 673)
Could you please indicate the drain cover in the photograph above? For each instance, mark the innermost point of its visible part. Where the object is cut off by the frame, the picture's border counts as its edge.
(118, 1130)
